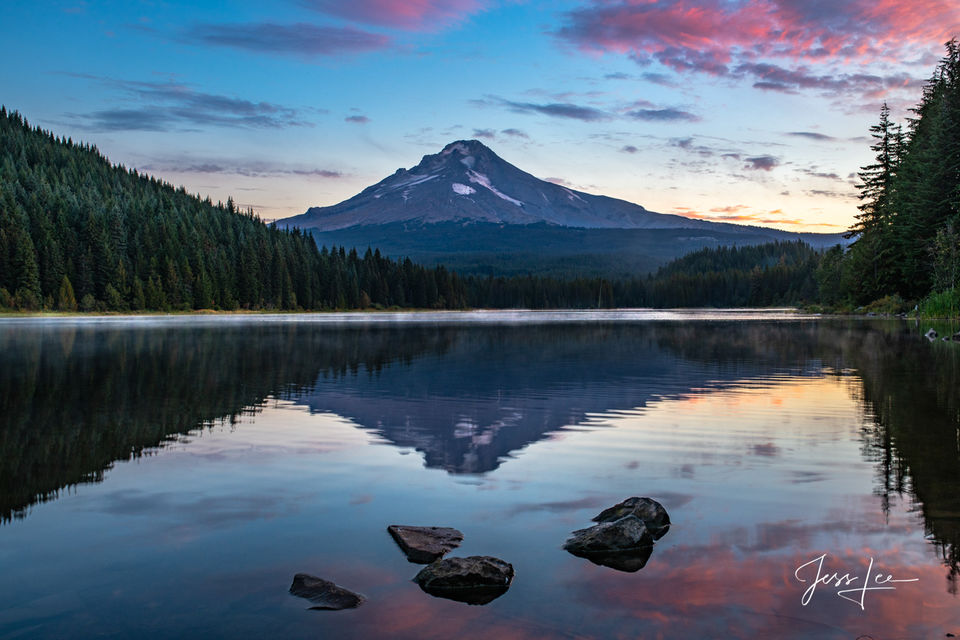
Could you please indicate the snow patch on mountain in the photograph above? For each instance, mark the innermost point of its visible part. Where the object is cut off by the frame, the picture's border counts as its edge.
(462, 189)
(484, 181)
(412, 180)
(455, 146)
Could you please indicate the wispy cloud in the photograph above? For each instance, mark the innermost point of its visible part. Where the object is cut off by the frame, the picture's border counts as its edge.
(811, 135)
(249, 169)
(300, 40)
(417, 15)
(164, 106)
(629, 149)
(357, 119)
(663, 115)
(553, 109)
(659, 78)
(739, 214)
(588, 113)
(761, 163)
(489, 134)
(515, 133)
(825, 175)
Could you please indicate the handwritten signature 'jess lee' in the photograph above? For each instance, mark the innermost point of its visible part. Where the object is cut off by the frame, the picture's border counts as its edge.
(875, 582)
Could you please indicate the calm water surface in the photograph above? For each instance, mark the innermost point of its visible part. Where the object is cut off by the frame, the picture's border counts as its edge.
(166, 478)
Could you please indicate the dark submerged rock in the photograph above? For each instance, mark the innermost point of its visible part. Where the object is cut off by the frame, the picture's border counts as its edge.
(473, 580)
(624, 534)
(425, 544)
(628, 561)
(650, 512)
(324, 594)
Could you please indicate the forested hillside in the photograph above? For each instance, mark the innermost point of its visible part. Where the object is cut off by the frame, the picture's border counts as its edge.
(773, 274)
(908, 230)
(77, 232)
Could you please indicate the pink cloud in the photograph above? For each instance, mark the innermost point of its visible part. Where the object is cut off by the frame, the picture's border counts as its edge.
(415, 15)
(739, 38)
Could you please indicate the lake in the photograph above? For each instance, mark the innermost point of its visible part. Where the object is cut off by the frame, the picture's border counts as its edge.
(167, 477)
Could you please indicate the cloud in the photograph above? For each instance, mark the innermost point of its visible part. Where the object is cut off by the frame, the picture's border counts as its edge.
(772, 77)
(415, 15)
(629, 149)
(813, 173)
(659, 78)
(729, 209)
(586, 113)
(515, 133)
(761, 163)
(489, 134)
(663, 115)
(720, 37)
(166, 106)
(554, 109)
(357, 119)
(827, 193)
(301, 39)
(811, 135)
(252, 169)
(747, 218)
(561, 182)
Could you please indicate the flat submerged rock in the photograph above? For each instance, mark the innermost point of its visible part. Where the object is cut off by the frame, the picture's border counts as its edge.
(425, 544)
(324, 594)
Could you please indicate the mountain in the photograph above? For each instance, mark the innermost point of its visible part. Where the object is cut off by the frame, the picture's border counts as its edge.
(471, 210)
(467, 181)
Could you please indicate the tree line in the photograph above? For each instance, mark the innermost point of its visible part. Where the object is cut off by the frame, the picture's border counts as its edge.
(773, 274)
(907, 234)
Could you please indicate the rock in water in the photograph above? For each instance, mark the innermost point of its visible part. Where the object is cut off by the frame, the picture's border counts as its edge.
(323, 593)
(425, 544)
(629, 561)
(625, 534)
(650, 512)
(474, 579)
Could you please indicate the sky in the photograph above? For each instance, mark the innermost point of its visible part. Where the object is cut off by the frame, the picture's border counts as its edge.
(747, 111)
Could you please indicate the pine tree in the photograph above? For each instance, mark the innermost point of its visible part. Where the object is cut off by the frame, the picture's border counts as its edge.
(871, 252)
(66, 300)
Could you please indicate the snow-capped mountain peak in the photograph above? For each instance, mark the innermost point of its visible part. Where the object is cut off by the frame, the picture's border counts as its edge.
(467, 182)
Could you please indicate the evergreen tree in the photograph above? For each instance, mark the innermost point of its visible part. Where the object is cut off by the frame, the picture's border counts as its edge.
(66, 300)
(871, 252)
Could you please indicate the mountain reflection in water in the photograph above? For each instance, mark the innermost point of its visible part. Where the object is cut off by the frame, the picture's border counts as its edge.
(75, 399)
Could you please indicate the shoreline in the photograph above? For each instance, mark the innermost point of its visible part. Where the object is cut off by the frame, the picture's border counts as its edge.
(472, 316)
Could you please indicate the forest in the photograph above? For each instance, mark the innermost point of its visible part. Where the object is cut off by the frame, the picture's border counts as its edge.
(906, 241)
(77, 233)
(80, 234)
